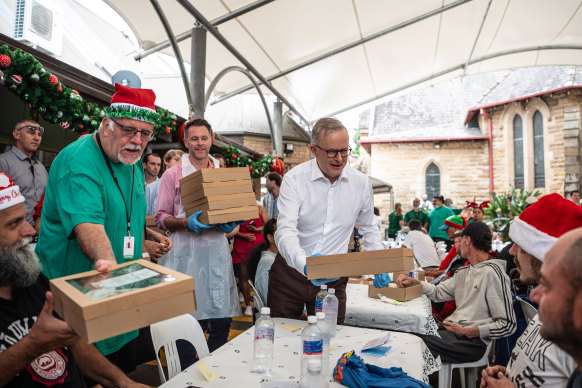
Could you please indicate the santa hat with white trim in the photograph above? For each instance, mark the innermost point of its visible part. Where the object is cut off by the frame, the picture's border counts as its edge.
(541, 224)
(9, 192)
(133, 103)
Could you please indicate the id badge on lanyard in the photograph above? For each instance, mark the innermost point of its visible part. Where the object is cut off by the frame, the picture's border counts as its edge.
(128, 247)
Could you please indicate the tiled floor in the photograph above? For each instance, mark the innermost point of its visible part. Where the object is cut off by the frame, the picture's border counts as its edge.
(148, 373)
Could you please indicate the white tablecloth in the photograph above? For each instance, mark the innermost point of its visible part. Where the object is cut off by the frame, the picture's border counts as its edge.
(233, 361)
(414, 316)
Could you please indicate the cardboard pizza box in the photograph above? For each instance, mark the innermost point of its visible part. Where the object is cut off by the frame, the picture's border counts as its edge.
(129, 296)
(402, 294)
(194, 193)
(360, 263)
(222, 216)
(220, 202)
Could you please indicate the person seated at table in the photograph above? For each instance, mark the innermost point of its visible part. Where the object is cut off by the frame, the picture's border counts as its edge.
(482, 294)
(422, 246)
(533, 233)
(262, 258)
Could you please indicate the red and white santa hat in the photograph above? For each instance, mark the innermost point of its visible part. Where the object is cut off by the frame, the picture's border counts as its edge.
(541, 224)
(133, 103)
(9, 192)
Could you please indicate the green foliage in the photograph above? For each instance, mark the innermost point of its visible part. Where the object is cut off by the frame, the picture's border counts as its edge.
(504, 207)
(235, 158)
(356, 151)
(56, 102)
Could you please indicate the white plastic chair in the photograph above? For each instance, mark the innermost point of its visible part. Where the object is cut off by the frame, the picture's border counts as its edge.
(165, 334)
(446, 371)
(256, 297)
(529, 311)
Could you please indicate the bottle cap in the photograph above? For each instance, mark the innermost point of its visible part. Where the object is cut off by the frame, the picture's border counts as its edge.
(314, 365)
(324, 286)
(312, 319)
(265, 310)
(320, 315)
(331, 291)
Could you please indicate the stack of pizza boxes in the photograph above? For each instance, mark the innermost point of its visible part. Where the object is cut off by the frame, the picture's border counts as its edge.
(222, 194)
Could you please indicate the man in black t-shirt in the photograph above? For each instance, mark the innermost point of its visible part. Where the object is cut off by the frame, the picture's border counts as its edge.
(37, 349)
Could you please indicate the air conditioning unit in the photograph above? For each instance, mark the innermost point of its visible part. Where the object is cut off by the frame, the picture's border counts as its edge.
(40, 24)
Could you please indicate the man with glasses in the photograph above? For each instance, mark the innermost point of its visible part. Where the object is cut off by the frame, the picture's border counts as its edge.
(95, 206)
(319, 203)
(20, 163)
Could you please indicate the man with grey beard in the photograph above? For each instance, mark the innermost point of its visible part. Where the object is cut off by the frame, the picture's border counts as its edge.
(94, 209)
(37, 349)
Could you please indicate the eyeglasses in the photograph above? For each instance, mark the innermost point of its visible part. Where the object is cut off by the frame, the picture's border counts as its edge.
(131, 131)
(333, 153)
(33, 128)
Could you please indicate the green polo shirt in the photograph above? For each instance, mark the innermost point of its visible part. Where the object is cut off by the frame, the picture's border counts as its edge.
(81, 189)
(437, 218)
(419, 215)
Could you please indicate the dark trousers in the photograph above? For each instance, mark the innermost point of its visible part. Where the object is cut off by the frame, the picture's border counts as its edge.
(289, 291)
(217, 329)
(454, 348)
(136, 352)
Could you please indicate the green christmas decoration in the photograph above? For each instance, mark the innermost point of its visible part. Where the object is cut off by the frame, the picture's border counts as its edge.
(504, 207)
(257, 168)
(26, 77)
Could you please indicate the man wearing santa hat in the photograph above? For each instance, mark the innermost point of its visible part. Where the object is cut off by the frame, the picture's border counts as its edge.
(37, 348)
(95, 206)
(535, 361)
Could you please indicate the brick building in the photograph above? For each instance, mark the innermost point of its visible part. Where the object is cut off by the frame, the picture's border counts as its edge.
(465, 138)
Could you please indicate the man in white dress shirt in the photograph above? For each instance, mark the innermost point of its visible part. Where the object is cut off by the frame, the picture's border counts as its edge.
(319, 204)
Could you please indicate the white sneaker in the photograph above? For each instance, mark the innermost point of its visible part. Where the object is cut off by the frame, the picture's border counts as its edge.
(248, 311)
(241, 298)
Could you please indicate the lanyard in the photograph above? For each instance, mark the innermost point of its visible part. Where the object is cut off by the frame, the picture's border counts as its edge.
(127, 213)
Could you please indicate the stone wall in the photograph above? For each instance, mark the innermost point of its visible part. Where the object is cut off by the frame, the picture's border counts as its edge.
(561, 122)
(463, 168)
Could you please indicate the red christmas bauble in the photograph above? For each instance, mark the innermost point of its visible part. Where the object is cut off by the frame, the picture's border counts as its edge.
(16, 79)
(5, 60)
(167, 130)
(60, 89)
(53, 79)
(73, 91)
(181, 134)
(64, 124)
(278, 166)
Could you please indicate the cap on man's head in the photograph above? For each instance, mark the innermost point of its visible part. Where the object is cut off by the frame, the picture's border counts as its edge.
(9, 192)
(455, 221)
(540, 225)
(476, 230)
(133, 103)
(440, 198)
(424, 196)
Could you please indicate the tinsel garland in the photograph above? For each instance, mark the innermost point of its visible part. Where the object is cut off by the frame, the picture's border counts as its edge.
(133, 113)
(235, 158)
(26, 77)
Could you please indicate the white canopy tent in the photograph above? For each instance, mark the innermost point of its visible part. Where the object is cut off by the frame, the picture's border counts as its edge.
(326, 56)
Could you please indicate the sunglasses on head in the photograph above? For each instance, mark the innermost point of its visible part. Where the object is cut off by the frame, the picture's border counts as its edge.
(33, 128)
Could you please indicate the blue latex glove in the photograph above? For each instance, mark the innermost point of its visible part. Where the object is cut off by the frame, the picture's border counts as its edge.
(196, 226)
(318, 282)
(381, 280)
(229, 227)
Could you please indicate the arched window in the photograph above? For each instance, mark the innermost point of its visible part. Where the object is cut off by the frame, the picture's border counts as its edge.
(518, 151)
(538, 132)
(433, 181)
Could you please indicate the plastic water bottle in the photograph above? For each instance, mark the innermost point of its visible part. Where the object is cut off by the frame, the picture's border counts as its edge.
(322, 324)
(314, 378)
(312, 346)
(330, 306)
(264, 341)
(319, 298)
